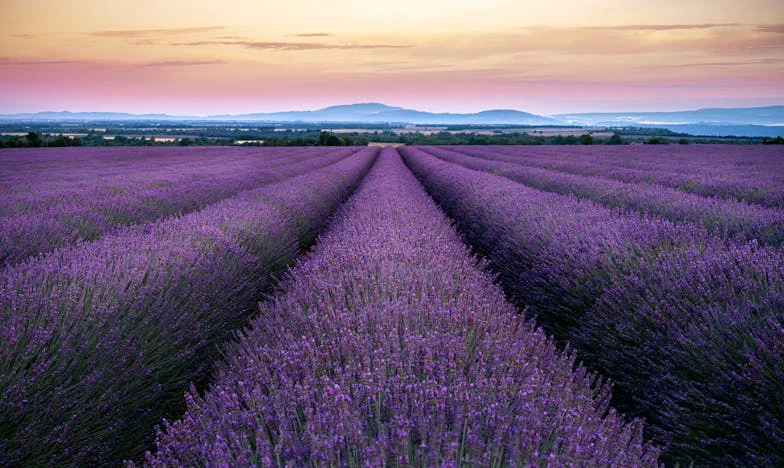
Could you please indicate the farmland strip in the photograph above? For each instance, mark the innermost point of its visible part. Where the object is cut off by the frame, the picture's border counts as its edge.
(90, 213)
(728, 218)
(689, 327)
(754, 174)
(27, 187)
(100, 340)
(390, 345)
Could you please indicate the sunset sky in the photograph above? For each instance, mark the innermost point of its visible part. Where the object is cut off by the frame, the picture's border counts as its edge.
(236, 56)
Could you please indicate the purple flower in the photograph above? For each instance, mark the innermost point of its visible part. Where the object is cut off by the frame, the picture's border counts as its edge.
(100, 339)
(687, 324)
(389, 344)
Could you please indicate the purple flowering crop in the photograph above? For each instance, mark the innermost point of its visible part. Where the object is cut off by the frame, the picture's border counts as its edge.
(390, 345)
(99, 340)
(731, 218)
(689, 326)
(750, 173)
(128, 271)
(697, 337)
(50, 203)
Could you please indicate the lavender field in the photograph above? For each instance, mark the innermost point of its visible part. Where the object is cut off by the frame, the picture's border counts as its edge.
(412, 306)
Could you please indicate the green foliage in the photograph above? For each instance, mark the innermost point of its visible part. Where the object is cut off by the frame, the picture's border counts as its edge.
(33, 139)
(306, 134)
(62, 141)
(330, 139)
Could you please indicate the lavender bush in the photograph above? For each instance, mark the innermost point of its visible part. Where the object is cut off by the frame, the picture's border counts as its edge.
(698, 337)
(726, 217)
(389, 345)
(48, 209)
(554, 253)
(750, 173)
(688, 325)
(100, 340)
(37, 178)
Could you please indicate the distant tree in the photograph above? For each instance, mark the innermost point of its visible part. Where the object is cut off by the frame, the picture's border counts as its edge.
(61, 141)
(656, 141)
(33, 139)
(564, 140)
(323, 138)
(773, 141)
(16, 143)
(615, 139)
(185, 142)
(328, 139)
(683, 141)
(587, 139)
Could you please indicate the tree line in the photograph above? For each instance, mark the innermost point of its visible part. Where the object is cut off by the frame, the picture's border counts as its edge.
(34, 140)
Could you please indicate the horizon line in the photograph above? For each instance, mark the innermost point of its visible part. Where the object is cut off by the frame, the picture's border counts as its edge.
(65, 111)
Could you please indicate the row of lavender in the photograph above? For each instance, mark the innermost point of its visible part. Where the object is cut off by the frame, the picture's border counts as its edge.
(729, 218)
(99, 340)
(389, 345)
(52, 213)
(32, 182)
(103, 161)
(753, 173)
(689, 326)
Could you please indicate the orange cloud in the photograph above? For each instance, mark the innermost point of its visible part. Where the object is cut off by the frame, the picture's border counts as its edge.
(182, 63)
(292, 45)
(772, 28)
(144, 33)
(661, 27)
(14, 61)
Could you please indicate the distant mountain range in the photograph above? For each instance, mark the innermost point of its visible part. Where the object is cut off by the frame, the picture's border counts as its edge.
(380, 113)
(753, 121)
(771, 115)
(352, 113)
(747, 121)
